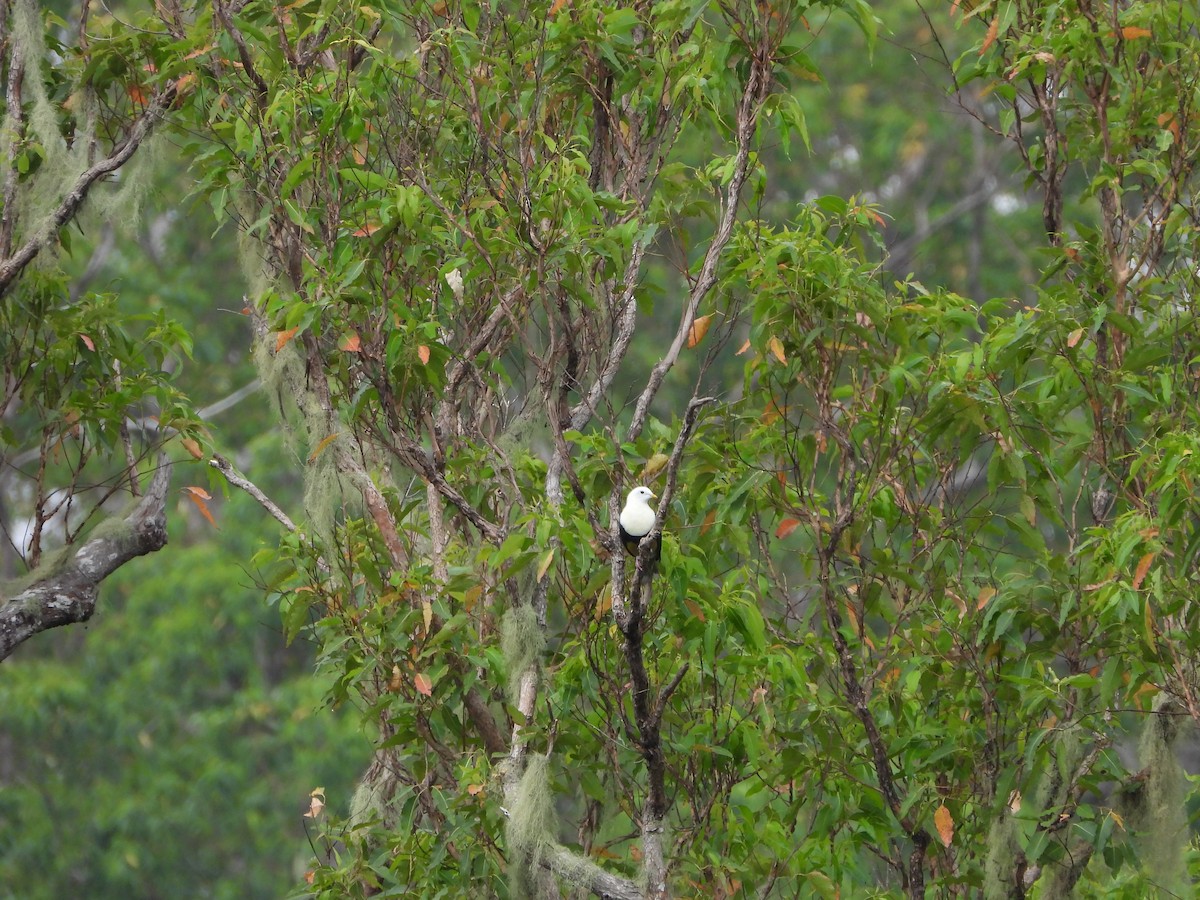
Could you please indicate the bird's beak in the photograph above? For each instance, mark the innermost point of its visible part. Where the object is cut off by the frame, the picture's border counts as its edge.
(653, 496)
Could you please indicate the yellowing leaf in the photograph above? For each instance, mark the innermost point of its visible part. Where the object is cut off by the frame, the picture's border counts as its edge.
(1029, 509)
(1130, 32)
(776, 347)
(192, 447)
(604, 603)
(1143, 566)
(545, 564)
(471, 597)
(325, 442)
(422, 683)
(427, 613)
(283, 337)
(698, 330)
(423, 354)
(985, 594)
(654, 465)
(786, 527)
(944, 822)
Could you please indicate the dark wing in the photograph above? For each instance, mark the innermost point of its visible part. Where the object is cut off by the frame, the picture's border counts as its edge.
(628, 541)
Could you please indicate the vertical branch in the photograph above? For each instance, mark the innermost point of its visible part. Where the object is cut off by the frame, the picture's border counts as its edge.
(15, 126)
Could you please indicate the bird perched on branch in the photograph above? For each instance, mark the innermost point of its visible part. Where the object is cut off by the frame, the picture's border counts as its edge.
(636, 521)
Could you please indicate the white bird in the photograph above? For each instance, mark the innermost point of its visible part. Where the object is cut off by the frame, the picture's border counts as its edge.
(637, 520)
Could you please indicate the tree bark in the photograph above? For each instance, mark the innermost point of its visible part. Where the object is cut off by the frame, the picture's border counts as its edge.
(64, 592)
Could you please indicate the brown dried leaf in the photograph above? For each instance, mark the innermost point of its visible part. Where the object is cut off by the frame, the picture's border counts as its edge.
(193, 447)
(944, 822)
(776, 347)
(992, 31)
(316, 803)
(422, 683)
(698, 330)
(786, 527)
(1143, 567)
(283, 337)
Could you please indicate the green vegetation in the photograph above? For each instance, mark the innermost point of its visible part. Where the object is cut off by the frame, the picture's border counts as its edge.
(915, 389)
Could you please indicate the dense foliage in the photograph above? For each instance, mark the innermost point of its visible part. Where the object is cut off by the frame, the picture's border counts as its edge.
(929, 557)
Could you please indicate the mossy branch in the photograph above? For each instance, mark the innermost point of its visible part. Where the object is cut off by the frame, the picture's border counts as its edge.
(63, 590)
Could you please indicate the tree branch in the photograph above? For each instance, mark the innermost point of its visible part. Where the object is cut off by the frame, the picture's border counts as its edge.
(13, 266)
(65, 592)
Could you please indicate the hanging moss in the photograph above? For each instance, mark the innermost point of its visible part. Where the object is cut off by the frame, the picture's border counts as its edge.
(532, 836)
(1000, 870)
(1157, 812)
(522, 642)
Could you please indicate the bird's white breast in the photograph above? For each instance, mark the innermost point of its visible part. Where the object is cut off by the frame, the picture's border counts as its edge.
(637, 518)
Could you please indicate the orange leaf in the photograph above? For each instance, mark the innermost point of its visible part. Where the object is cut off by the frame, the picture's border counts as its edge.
(698, 330)
(325, 442)
(786, 527)
(694, 609)
(709, 519)
(283, 337)
(474, 789)
(423, 354)
(945, 824)
(985, 594)
(1130, 32)
(743, 348)
(992, 31)
(422, 683)
(199, 52)
(367, 230)
(199, 496)
(1074, 336)
(351, 342)
(776, 347)
(192, 447)
(1143, 566)
(556, 6)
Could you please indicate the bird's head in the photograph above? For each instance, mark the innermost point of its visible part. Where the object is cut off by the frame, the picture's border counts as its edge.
(640, 495)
